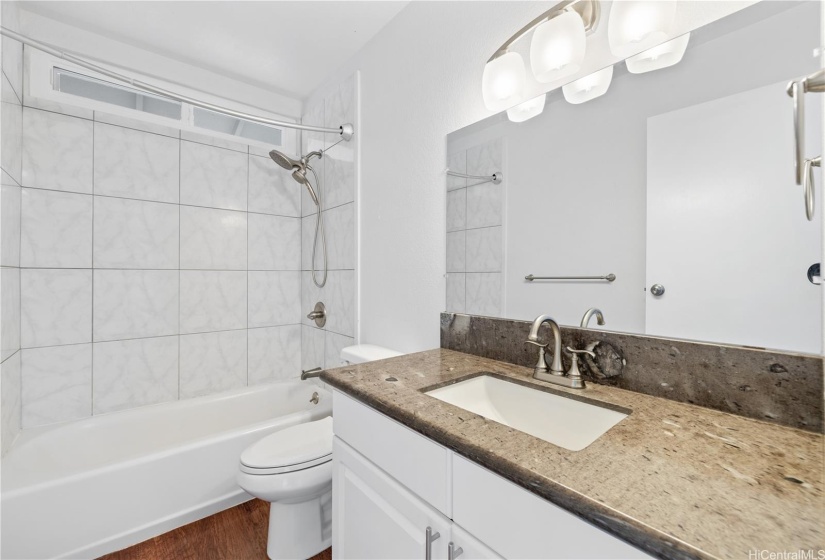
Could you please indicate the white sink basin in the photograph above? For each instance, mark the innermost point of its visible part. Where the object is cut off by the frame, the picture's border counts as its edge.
(559, 420)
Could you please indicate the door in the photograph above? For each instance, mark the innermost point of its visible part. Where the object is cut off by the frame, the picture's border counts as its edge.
(373, 516)
(726, 230)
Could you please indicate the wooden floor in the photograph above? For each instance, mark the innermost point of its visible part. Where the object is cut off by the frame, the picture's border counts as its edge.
(235, 534)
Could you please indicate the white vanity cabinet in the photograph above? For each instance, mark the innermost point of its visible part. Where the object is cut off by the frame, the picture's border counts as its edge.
(390, 484)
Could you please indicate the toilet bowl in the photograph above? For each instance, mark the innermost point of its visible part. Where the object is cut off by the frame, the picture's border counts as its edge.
(292, 469)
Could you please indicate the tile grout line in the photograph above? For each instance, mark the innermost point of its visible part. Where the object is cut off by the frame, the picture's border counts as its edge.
(180, 243)
(92, 333)
(247, 269)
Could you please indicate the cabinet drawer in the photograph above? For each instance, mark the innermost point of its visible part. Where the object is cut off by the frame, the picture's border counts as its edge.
(518, 524)
(418, 463)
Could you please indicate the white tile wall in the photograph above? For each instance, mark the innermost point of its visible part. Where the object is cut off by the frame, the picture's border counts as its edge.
(11, 146)
(475, 244)
(135, 243)
(130, 373)
(135, 164)
(322, 347)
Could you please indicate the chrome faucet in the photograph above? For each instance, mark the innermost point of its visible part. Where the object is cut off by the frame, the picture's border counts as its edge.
(590, 312)
(541, 369)
(314, 372)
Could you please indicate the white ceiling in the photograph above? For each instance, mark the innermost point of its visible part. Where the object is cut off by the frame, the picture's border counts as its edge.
(289, 47)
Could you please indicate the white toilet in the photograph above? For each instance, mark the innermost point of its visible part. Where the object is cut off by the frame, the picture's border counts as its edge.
(292, 469)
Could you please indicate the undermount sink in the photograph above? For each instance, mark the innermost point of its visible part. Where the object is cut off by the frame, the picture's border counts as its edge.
(559, 420)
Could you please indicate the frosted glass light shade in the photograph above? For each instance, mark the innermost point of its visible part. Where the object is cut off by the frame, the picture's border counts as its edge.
(662, 56)
(637, 25)
(557, 48)
(590, 87)
(527, 110)
(502, 84)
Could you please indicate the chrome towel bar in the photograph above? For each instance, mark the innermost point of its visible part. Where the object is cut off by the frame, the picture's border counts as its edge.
(495, 178)
(609, 277)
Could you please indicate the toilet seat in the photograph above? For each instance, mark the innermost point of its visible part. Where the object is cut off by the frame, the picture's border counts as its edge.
(292, 449)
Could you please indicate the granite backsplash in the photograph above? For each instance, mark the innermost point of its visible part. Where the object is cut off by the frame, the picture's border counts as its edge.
(785, 389)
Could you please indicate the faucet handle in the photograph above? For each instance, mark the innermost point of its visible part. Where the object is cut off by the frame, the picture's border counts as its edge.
(575, 352)
(536, 343)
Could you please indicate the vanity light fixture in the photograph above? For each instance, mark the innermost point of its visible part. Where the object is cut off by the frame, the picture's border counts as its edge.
(590, 87)
(662, 56)
(556, 50)
(638, 25)
(527, 110)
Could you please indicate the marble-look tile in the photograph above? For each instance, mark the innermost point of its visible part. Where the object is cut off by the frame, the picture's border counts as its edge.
(274, 354)
(272, 190)
(10, 396)
(274, 298)
(456, 285)
(56, 229)
(312, 141)
(136, 124)
(213, 177)
(213, 141)
(457, 162)
(339, 224)
(332, 348)
(311, 294)
(11, 138)
(483, 294)
(274, 242)
(484, 248)
(212, 300)
(55, 306)
(135, 164)
(9, 311)
(135, 234)
(57, 151)
(57, 384)
(13, 63)
(457, 210)
(484, 205)
(484, 159)
(10, 225)
(312, 348)
(212, 362)
(341, 302)
(456, 242)
(212, 239)
(339, 173)
(135, 304)
(131, 373)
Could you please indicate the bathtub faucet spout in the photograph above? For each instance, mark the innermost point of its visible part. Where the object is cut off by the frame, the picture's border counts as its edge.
(307, 373)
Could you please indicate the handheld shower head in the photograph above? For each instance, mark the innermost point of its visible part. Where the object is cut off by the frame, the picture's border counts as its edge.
(299, 175)
(284, 161)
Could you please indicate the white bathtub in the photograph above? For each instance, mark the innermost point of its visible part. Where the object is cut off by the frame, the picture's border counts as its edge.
(90, 487)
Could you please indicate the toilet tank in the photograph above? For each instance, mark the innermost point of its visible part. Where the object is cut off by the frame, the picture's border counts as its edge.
(361, 353)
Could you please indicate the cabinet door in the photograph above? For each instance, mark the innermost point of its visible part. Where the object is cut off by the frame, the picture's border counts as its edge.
(373, 516)
(471, 547)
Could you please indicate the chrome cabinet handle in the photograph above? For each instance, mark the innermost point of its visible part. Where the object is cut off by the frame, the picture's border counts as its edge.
(657, 290)
(453, 552)
(430, 537)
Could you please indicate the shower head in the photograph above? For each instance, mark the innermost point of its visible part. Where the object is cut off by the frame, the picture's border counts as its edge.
(284, 161)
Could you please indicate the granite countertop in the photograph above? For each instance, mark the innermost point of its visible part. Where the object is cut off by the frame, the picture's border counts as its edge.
(674, 479)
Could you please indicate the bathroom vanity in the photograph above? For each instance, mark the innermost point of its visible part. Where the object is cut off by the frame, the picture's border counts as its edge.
(669, 480)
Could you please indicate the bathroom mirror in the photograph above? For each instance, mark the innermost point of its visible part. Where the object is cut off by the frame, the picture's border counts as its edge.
(682, 177)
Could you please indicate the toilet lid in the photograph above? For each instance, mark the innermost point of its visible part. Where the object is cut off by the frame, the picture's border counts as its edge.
(291, 449)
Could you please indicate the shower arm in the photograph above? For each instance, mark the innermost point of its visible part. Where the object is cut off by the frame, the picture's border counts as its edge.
(345, 130)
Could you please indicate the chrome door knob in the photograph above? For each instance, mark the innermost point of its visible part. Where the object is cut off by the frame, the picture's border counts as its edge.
(657, 289)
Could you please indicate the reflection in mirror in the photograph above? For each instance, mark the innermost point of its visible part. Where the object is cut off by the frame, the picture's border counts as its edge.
(680, 177)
